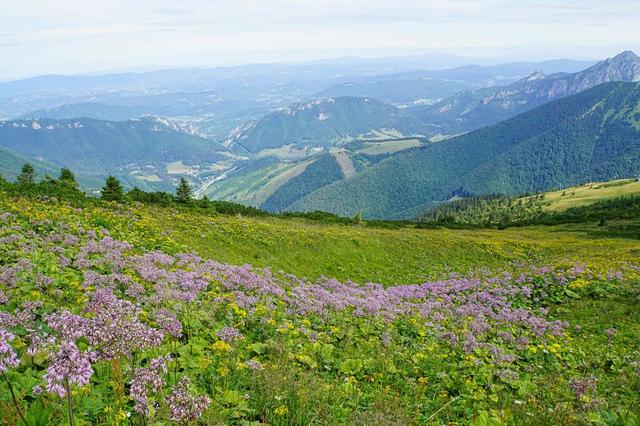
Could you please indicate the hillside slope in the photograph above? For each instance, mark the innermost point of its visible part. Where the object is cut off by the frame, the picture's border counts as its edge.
(594, 135)
(324, 122)
(91, 147)
(592, 192)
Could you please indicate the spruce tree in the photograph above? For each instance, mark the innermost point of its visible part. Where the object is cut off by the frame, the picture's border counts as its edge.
(67, 178)
(67, 175)
(27, 176)
(357, 218)
(204, 202)
(183, 193)
(112, 190)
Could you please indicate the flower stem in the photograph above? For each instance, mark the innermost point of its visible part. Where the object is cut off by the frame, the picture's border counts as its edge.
(69, 403)
(13, 396)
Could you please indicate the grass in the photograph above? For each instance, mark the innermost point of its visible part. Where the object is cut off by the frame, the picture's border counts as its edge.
(178, 168)
(600, 356)
(590, 193)
(346, 165)
(388, 147)
(362, 254)
(402, 256)
(254, 187)
(386, 134)
(272, 186)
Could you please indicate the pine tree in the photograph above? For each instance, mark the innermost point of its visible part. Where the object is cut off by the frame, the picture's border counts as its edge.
(357, 219)
(112, 190)
(204, 202)
(68, 178)
(27, 175)
(67, 175)
(183, 193)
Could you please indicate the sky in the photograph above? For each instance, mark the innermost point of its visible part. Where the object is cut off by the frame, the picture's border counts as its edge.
(79, 36)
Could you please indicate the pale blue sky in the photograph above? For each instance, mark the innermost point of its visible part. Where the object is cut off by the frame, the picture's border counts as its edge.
(72, 36)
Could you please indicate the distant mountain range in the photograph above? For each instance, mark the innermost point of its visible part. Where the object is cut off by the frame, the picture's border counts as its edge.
(323, 123)
(590, 136)
(429, 86)
(472, 109)
(142, 148)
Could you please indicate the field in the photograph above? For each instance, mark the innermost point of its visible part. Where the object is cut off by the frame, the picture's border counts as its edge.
(388, 147)
(534, 325)
(346, 165)
(589, 193)
(256, 185)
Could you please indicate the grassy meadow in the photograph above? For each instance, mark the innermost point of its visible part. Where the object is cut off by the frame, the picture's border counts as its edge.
(388, 147)
(533, 325)
(587, 194)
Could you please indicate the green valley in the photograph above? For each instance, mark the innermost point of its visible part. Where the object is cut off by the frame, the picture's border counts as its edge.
(590, 136)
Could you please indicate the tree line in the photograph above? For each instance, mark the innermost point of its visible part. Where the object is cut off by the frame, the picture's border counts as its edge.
(66, 187)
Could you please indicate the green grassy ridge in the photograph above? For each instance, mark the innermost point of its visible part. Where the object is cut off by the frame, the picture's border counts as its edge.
(323, 171)
(531, 210)
(588, 193)
(559, 144)
(325, 122)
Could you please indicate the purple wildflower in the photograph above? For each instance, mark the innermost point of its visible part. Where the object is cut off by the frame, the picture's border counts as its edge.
(68, 366)
(610, 332)
(229, 334)
(8, 357)
(386, 339)
(582, 386)
(254, 365)
(147, 378)
(184, 407)
(168, 322)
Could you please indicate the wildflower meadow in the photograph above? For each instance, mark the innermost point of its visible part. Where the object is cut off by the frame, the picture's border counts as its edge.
(103, 329)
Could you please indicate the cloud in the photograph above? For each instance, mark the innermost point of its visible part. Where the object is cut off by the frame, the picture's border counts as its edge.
(70, 35)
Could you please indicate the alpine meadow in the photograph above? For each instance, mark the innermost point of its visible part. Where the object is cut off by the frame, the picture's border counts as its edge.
(319, 213)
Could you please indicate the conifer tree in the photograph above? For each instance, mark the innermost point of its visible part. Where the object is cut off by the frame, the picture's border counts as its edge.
(27, 176)
(67, 175)
(112, 190)
(357, 218)
(68, 178)
(183, 193)
(204, 202)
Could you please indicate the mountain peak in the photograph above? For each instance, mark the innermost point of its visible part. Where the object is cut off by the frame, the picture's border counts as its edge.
(536, 75)
(626, 56)
(624, 66)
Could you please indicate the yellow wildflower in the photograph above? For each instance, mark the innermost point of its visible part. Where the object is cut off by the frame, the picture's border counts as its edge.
(221, 346)
(281, 410)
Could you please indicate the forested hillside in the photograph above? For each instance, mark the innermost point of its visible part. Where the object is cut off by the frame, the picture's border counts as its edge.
(591, 136)
(94, 146)
(325, 122)
(323, 171)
